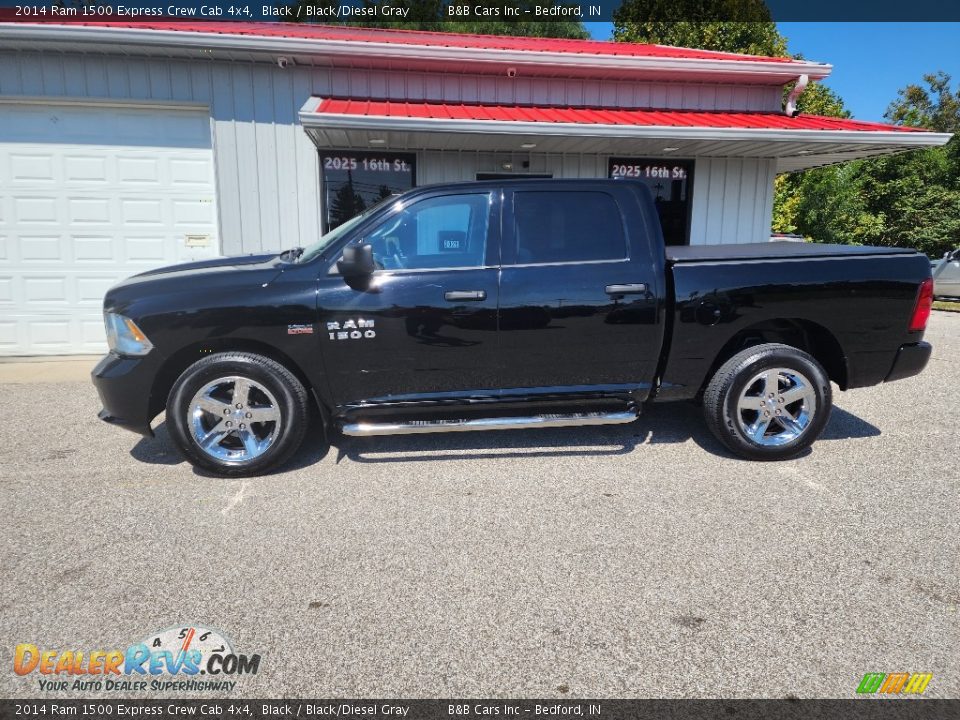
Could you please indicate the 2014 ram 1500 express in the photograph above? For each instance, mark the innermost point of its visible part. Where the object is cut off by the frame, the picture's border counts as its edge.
(533, 303)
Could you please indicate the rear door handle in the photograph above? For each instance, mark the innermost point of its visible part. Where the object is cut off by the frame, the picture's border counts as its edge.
(461, 295)
(628, 289)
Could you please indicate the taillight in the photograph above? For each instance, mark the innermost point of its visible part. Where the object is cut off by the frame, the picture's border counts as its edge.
(921, 311)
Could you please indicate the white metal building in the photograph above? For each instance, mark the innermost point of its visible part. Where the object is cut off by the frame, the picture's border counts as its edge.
(129, 146)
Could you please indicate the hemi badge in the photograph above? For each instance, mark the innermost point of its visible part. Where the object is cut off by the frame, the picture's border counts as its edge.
(299, 329)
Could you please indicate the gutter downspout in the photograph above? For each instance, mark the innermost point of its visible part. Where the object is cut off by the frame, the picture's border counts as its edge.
(795, 93)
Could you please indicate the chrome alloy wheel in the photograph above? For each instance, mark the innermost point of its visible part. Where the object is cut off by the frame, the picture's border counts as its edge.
(776, 407)
(234, 419)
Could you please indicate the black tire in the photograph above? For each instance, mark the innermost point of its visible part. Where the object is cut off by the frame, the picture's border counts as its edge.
(733, 381)
(282, 438)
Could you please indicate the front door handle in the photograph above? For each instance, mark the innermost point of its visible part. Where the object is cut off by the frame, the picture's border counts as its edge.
(461, 295)
(628, 289)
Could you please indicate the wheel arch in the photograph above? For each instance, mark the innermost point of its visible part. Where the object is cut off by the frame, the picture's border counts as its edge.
(800, 333)
(174, 366)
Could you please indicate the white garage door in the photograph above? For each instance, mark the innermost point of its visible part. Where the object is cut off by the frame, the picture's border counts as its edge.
(90, 195)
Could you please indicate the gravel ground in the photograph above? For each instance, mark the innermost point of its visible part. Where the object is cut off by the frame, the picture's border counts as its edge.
(625, 561)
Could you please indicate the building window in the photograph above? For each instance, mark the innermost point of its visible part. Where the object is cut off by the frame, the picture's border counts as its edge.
(670, 182)
(354, 181)
(558, 226)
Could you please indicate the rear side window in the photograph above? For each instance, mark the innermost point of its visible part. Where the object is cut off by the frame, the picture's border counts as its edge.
(574, 226)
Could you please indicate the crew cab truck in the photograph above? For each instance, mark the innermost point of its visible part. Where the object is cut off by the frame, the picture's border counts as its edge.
(507, 304)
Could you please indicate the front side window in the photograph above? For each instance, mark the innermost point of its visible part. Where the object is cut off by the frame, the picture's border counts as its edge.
(440, 232)
(561, 226)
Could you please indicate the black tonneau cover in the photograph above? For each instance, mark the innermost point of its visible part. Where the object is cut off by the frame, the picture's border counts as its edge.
(773, 251)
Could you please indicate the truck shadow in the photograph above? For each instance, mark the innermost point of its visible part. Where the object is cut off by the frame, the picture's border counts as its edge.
(678, 424)
(844, 425)
(674, 423)
(160, 450)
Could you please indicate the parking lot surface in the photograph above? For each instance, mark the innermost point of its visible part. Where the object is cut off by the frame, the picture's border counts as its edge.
(623, 561)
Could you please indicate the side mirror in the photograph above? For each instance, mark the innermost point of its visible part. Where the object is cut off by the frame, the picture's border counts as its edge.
(357, 261)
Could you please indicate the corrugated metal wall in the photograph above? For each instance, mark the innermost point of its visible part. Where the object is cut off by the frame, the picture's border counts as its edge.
(732, 200)
(267, 168)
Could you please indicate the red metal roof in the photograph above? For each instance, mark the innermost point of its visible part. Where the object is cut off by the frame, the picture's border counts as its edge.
(600, 116)
(422, 38)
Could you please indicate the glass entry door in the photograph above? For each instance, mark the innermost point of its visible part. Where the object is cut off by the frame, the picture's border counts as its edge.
(670, 183)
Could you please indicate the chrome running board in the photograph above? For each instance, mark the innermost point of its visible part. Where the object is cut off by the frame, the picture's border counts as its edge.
(496, 423)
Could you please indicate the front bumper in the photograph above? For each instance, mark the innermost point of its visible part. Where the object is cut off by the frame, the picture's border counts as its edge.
(910, 360)
(124, 386)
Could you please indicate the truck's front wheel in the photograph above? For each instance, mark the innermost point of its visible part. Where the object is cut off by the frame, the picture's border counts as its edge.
(768, 402)
(237, 413)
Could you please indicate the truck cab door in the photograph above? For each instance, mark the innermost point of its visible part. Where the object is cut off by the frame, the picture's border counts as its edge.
(579, 291)
(426, 321)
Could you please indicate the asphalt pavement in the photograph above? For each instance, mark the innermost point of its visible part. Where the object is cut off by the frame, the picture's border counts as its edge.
(623, 561)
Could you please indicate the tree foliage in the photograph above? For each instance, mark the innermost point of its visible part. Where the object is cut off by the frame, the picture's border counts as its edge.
(934, 107)
(740, 26)
(907, 200)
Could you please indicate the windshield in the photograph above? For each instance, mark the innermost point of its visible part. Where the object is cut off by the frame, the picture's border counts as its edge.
(317, 248)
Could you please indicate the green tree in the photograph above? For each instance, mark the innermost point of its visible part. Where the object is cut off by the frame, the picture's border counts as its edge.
(907, 200)
(934, 107)
(922, 187)
(818, 99)
(739, 26)
(826, 205)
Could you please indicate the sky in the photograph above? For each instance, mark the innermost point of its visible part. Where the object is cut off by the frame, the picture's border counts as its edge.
(871, 61)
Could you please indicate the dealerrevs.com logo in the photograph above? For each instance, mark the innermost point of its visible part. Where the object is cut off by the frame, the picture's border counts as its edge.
(190, 658)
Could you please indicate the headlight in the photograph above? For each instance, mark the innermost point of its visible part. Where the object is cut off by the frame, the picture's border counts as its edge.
(124, 337)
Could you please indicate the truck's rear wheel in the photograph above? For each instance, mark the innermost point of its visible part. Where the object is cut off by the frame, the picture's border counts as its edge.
(237, 413)
(768, 402)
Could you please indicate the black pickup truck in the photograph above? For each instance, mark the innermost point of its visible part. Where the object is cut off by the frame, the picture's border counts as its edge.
(509, 304)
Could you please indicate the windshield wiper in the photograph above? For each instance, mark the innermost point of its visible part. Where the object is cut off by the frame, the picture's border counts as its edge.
(291, 254)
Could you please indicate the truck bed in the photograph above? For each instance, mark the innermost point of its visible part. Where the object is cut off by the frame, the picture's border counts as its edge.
(773, 251)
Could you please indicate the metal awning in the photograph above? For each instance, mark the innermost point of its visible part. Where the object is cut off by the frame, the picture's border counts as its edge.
(797, 143)
(309, 43)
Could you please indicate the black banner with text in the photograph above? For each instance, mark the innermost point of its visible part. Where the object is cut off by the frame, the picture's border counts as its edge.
(420, 13)
(381, 709)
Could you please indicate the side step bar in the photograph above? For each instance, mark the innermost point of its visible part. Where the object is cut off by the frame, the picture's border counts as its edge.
(501, 423)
